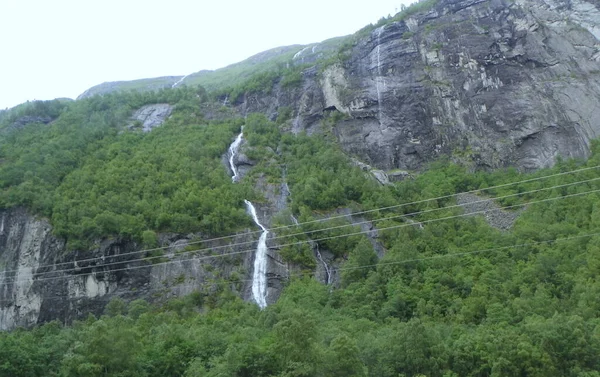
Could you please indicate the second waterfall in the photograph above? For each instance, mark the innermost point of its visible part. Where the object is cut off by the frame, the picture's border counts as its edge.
(259, 276)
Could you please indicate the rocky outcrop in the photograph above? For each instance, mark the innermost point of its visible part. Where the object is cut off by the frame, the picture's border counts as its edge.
(151, 116)
(28, 119)
(379, 175)
(25, 243)
(495, 216)
(496, 82)
(41, 281)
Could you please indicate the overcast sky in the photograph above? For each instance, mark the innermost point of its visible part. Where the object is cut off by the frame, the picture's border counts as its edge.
(59, 48)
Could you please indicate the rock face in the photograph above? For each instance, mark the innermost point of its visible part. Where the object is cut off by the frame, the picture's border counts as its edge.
(151, 116)
(28, 119)
(40, 281)
(492, 82)
(25, 243)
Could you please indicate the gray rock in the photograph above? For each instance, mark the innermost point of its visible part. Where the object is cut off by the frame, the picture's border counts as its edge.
(493, 214)
(491, 83)
(398, 175)
(41, 281)
(151, 116)
(378, 174)
(28, 119)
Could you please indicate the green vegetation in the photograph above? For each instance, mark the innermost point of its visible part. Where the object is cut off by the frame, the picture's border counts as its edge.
(38, 109)
(231, 76)
(435, 305)
(94, 179)
(262, 82)
(141, 85)
(407, 35)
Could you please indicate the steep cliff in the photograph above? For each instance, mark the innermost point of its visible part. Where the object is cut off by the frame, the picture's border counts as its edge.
(40, 281)
(498, 83)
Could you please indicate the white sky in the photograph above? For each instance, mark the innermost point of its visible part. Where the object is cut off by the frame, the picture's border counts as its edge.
(59, 48)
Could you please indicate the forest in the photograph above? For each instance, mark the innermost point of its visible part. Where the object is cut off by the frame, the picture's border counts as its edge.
(451, 297)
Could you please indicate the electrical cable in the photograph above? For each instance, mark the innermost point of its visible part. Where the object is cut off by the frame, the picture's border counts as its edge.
(299, 225)
(438, 255)
(37, 278)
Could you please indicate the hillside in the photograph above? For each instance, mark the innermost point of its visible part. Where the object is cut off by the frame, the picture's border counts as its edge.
(227, 77)
(420, 198)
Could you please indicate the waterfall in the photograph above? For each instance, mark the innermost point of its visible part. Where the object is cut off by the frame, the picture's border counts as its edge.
(313, 244)
(379, 79)
(259, 277)
(299, 53)
(233, 149)
(179, 81)
(327, 272)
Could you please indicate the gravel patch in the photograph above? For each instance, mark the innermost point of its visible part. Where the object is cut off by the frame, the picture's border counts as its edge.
(494, 215)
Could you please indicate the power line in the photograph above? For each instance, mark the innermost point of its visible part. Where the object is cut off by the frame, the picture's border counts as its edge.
(284, 245)
(318, 230)
(301, 233)
(438, 255)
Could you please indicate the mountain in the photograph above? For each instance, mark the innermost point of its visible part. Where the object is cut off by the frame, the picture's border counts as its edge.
(418, 198)
(137, 85)
(437, 82)
(232, 75)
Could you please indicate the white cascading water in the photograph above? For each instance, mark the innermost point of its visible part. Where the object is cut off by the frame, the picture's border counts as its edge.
(299, 53)
(233, 148)
(259, 276)
(379, 80)
(179, 82)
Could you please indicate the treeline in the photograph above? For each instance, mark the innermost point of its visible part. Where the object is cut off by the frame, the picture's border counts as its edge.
(262, 82)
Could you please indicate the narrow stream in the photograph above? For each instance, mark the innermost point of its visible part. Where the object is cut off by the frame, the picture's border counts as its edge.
(233, 149)
(179, 81)
(313, 244)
